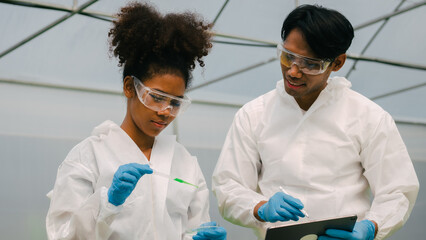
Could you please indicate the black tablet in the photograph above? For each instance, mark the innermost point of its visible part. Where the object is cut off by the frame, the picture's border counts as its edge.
(310, 230)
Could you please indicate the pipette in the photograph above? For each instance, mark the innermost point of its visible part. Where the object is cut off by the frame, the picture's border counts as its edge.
(161, 174)
(195, 230)
(302, 210)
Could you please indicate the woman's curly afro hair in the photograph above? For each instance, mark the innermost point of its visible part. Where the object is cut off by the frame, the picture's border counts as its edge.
(148, 43)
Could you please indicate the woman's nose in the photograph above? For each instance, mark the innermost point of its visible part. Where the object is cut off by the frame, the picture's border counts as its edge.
(166, 111)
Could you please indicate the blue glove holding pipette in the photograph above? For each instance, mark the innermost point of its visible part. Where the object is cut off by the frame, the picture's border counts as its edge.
(125, 180)
(281, 207)
(210, 231)
(363, 230)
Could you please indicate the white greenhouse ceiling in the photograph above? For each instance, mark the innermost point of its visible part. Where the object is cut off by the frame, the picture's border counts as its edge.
(63, 44)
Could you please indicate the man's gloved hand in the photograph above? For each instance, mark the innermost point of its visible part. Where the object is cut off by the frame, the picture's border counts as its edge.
(363, 230)
(124, 181)
(216, 233)
(281, 207)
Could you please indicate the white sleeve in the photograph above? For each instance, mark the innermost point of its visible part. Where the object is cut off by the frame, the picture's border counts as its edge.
(198, 211)
(76, 210)
(391, 176)
(235, 178)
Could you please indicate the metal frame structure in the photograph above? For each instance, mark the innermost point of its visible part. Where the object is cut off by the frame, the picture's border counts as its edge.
(261, 43)
(70, 12)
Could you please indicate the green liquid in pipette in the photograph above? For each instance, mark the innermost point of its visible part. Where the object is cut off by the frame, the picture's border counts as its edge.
(176, 179)
(185, 182)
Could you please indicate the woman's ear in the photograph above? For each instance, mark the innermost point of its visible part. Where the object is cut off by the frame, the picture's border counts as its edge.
(128, 87)
(338, 62)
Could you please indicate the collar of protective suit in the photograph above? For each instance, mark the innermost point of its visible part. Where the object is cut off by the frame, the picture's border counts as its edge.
(333, 90)
(160, 160)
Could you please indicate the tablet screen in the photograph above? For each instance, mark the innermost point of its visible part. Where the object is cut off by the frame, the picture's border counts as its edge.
(310, 230)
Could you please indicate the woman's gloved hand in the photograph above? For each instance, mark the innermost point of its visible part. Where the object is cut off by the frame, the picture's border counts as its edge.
(125, 180)
(214, 233)
(281, 207)
(363, 230)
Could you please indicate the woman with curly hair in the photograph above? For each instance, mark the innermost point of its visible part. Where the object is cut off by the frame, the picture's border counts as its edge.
(125, 181)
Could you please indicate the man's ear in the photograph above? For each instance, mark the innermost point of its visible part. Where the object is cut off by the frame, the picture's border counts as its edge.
(128, 87)
(338, 62)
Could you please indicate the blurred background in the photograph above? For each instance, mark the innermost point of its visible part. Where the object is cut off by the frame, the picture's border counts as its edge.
(58, 81)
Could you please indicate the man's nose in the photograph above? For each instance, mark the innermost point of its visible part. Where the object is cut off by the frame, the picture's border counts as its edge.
(294, 70)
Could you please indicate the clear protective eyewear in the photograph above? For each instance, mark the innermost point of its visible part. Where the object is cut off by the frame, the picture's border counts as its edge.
(159, 101)
(310, 66)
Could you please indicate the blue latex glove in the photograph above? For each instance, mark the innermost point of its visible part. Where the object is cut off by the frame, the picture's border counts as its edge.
(281, 207)
(217, 233)
(125, 180)
(363, 230)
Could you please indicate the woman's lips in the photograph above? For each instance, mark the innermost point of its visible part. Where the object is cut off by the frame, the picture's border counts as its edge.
(159, 124)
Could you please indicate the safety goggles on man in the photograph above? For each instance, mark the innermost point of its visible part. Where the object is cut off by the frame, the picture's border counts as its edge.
(310, 66)
(159, 101)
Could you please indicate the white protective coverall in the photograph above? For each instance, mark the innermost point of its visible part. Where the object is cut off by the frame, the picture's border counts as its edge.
(157, 209)
(327, 157)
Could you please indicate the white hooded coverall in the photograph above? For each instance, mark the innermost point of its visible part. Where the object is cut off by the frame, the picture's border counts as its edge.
(157, 209)
(329, 158)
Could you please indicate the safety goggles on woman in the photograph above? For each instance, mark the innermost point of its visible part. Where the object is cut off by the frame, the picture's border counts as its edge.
(159, 101)
(310, 66)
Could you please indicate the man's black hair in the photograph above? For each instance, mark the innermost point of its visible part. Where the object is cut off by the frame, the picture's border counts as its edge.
(327, 31)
